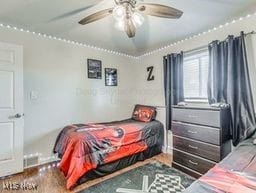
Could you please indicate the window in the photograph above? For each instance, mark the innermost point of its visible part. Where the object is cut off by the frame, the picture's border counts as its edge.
(195, 73)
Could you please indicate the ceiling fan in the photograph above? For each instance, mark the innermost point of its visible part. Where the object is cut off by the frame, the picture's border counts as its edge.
(128, 14)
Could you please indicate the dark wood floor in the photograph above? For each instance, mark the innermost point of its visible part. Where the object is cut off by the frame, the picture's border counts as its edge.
(52, 180)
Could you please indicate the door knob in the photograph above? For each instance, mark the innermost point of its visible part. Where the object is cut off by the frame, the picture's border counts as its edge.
(17, 116)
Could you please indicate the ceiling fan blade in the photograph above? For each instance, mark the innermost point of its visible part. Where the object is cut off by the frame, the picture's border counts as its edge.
(96, 16)
(130, 28)
(76, 11)
(71, 13)
(159, 10)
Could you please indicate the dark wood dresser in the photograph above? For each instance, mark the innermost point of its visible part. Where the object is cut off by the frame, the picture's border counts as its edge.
(200, 138)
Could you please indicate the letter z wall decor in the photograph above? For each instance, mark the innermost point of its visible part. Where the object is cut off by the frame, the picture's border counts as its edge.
(150, 73)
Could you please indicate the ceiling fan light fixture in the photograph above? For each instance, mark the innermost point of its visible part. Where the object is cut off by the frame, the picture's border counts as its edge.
(119, 12)
(129, 15)
(120, 25)
(137, 19)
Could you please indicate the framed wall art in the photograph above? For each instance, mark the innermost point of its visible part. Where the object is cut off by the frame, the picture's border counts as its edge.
(94, 69)
(110, 76)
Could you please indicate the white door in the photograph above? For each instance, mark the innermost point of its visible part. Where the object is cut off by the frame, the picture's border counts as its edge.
(11, 109)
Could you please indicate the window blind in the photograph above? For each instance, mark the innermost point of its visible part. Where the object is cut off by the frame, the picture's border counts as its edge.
(195, 73)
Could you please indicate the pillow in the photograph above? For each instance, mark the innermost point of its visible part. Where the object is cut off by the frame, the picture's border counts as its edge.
(144, 113)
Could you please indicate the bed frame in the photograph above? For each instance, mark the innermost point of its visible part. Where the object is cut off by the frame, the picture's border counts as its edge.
(120, 164)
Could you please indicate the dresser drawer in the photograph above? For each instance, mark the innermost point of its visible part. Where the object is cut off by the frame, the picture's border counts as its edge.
(186, 170)
(193, 162)
(211, 152)
(197, 116)
(201, 133)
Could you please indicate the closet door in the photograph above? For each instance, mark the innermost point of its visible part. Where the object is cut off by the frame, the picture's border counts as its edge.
(11, 109)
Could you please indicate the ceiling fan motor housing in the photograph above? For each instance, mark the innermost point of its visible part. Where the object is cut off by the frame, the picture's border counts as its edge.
(132, 3)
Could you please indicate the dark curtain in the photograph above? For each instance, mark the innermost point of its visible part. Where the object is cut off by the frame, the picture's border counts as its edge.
(229, 82)
(173, 83)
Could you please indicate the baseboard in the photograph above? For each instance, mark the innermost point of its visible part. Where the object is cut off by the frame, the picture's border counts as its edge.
(169, 149)
(42, 161)
(164, 149)
(50, 160)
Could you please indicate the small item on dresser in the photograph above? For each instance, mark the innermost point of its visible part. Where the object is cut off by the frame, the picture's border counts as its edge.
(182, 103)
(254, 142)
(220, 105)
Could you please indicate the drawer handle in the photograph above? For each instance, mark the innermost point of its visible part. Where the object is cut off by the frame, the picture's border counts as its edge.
(193, 147)
(193, 132)
(194, 163)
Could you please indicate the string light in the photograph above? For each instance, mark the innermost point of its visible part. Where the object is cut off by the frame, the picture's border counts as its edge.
(32, 155)
(123, 54)
(48, 167)
(41, 171)
(67, 41)
(197, 35)
(42, 160)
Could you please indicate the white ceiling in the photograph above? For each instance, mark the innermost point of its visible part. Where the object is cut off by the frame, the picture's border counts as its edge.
(57, 18)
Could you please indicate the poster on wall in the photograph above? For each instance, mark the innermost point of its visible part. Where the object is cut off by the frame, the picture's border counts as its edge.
(110, 77)
(94, 69)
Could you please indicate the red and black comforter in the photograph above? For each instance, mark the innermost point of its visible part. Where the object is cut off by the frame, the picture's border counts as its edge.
(235, 174)
(84, 147)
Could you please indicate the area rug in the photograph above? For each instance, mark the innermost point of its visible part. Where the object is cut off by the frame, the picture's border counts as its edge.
(154, 177)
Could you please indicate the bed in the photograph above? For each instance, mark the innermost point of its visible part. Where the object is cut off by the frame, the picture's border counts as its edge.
(235, 174)
(88, 151)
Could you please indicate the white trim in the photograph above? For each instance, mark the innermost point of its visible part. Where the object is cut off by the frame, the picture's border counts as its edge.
(164, 149)
(202, 51)
(200, 101)
(40, 163)
(195, 54)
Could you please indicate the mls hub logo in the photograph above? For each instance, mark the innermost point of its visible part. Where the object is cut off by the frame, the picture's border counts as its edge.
(9, 186)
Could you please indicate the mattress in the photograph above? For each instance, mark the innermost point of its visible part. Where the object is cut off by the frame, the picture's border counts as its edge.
(85, 147)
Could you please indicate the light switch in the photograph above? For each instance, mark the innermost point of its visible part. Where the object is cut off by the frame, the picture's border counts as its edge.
(34, 95)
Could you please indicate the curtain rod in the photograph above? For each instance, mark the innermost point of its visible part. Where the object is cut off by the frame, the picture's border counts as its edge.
(193, 50)
(202, 47)
(246, 34)
(251, 33)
